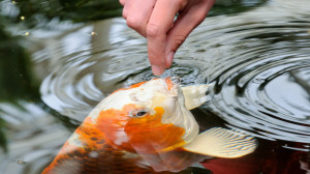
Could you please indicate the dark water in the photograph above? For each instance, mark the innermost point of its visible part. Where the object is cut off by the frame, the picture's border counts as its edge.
(257, 60)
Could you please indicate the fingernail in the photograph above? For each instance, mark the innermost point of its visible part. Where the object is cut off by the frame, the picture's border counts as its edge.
(157, 70)
(169, 59)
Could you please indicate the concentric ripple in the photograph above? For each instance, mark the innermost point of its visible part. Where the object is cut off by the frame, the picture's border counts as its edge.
(269, 97)
(84, 78)
(259, 62)
(262, 72)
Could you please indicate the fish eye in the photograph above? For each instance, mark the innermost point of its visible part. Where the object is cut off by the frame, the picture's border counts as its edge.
(139, 113)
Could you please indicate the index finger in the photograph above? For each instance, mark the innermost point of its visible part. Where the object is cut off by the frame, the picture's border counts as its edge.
(158, 26)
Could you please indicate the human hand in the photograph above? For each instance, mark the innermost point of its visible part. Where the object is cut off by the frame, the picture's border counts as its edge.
(155, 20)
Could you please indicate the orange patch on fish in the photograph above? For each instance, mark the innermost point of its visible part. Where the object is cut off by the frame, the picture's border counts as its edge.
(147, 133)
(169, 83)
(89, 134)
(112, 122)
(130, 87)
(91, 140)
(150, 135)
(136, 85)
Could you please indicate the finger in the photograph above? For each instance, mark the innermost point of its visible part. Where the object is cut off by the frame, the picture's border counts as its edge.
(138, 14)
(159, 24)
(186, 22)
(125, 12)
(122, 2)
(125, 9)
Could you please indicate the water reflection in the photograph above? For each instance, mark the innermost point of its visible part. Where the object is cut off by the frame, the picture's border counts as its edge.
(258, 61)
(34, 138)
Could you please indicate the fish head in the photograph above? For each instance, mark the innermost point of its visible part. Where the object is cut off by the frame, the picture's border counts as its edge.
(148, 117)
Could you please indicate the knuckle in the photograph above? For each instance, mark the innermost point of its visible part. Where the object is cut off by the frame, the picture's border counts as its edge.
(178, 41)
(180, 37)
(137, 24)
(152, 30)
(132, 22)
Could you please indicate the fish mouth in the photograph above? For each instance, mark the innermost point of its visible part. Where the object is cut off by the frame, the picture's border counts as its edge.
(173, 85)
(176, 80)
(180, 116)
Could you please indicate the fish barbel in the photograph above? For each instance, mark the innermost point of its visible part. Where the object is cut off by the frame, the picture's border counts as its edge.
(146, 128)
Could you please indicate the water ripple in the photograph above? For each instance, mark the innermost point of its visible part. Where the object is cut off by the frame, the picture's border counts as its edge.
(259, 62)
(261, 75)
(84, 79)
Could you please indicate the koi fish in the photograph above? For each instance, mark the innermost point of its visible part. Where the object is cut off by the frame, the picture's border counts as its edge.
(146, 128)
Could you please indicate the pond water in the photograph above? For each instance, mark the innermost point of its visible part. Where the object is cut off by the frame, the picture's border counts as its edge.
(258, 62)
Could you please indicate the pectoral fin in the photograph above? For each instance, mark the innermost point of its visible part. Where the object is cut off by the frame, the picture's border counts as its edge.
(195, 95)
(223, 143)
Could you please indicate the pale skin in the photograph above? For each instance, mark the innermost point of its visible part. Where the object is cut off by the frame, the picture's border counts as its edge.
(156, 20)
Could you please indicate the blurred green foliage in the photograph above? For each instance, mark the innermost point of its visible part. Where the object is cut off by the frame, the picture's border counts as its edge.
(228, 7)
(16, 79)
(36, 11)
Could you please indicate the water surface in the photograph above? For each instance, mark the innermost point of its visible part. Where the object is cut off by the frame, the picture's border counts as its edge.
(258, 62)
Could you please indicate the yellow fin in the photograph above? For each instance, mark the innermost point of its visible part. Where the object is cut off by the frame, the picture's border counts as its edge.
(223, 143)
(194, 95)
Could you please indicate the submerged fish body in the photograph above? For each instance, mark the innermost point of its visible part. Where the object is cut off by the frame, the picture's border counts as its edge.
(145, 128)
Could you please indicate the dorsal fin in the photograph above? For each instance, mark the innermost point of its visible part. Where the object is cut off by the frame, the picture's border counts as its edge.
(224, 143)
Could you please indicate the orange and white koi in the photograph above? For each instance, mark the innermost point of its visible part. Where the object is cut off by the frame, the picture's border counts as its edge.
(146, 128)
